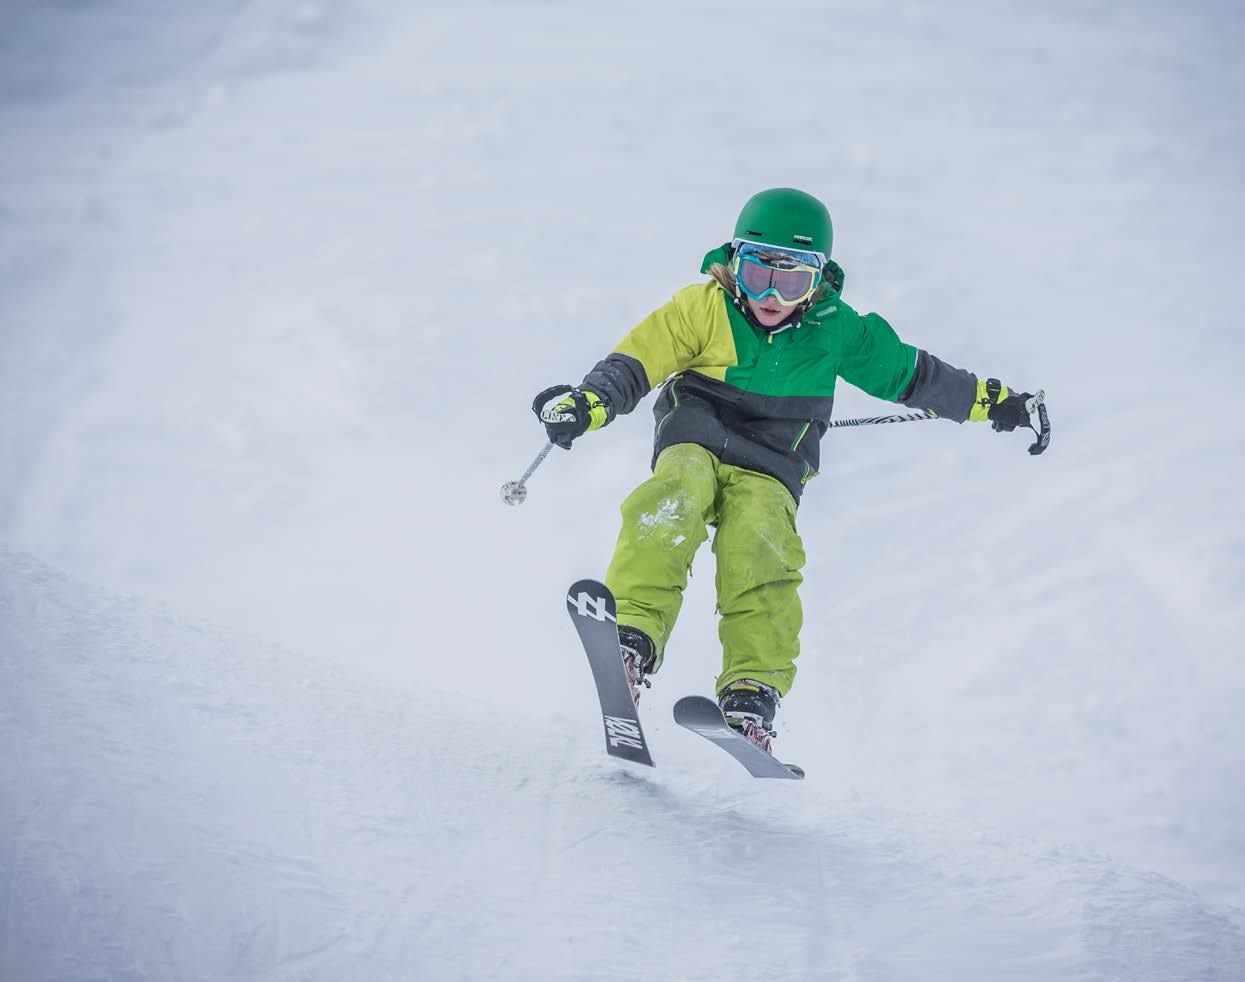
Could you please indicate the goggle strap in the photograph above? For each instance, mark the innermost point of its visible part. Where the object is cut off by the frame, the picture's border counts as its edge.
(820, 257)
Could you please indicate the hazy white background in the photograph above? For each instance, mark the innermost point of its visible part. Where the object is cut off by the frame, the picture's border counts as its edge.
(278, 281)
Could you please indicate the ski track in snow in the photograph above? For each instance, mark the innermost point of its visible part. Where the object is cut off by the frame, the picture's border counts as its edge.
(175, 808)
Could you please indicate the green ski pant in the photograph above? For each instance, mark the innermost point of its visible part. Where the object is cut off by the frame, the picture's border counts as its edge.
(759, 557)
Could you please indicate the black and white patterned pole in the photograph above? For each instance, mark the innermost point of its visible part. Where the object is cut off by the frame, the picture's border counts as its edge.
(895, 418)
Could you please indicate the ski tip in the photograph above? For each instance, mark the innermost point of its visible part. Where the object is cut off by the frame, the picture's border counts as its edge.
(591, 599)
(596, 586)
(693, 708)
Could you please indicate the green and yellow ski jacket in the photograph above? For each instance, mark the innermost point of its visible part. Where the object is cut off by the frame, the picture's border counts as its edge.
(763, 400)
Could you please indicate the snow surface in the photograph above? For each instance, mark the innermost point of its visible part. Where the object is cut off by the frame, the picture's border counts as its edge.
(277, 282)
(180, 803)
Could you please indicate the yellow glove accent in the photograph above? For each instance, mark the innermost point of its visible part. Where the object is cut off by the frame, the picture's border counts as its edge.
(598, 415)
(980, 412)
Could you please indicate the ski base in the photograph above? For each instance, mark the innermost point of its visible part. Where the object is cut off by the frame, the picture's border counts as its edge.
(702, 715)
(594, 614)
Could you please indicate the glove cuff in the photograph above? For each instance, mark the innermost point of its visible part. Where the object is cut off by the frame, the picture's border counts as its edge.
(990, 392)
(598, 410)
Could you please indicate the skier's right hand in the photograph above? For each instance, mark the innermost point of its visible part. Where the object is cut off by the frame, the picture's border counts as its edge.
(565, 419)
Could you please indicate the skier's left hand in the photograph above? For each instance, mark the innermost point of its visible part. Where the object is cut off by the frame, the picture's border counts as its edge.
(1003, 408)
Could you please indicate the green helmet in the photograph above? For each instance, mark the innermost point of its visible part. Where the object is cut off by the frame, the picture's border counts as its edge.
(786, 217)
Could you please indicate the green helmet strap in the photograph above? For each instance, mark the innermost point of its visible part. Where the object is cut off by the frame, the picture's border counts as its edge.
(833, 275)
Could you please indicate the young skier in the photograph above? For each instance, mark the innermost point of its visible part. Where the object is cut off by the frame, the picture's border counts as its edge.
(747, 363)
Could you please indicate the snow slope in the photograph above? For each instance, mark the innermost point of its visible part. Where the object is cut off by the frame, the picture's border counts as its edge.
(278, 281)
(181, 803)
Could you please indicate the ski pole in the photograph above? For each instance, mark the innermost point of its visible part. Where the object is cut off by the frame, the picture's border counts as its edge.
(1035, 404)
(515, 492)
(896, 418)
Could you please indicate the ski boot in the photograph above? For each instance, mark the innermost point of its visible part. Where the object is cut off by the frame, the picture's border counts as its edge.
(749, 707)
(639, 657)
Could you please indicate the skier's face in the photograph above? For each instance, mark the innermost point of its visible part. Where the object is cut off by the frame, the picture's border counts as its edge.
(768, 312)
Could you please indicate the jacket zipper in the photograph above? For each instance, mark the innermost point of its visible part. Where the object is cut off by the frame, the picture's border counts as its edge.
(800, 436)
(770, 354)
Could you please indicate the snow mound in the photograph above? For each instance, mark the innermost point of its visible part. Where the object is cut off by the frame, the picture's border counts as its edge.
(181, 803)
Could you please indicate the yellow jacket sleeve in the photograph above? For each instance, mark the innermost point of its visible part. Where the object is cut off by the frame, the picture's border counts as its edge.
(689, 331)
(667, 341)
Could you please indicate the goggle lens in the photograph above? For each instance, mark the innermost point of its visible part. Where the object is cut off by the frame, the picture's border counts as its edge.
(757, 279)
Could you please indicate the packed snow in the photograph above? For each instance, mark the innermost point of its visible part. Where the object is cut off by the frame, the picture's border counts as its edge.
(288, 692)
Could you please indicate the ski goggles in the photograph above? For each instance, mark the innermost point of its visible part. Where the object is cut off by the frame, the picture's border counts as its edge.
(764, 270)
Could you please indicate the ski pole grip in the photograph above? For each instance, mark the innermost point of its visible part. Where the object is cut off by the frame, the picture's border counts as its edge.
(1038, 402)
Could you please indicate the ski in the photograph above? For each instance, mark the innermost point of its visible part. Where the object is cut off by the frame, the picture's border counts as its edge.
(702, 715)
(594, 614)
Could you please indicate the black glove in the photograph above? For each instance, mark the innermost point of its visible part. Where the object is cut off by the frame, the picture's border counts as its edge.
(572, 416)
(1003, 408)
(1007, 411)
(1013, 411)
